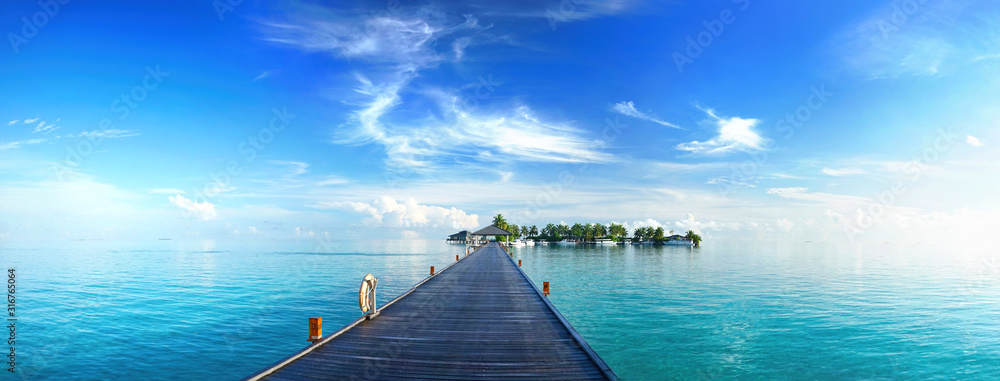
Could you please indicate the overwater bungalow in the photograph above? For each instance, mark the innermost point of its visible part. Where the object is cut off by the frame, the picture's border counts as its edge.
(460, 238)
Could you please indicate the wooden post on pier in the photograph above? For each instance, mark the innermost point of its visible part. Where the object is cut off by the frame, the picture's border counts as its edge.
(518, 263)
(545, 288)
(315, 328)
(432, 270)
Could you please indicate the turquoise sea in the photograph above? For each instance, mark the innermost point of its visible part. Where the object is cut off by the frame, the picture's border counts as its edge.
(213, 310)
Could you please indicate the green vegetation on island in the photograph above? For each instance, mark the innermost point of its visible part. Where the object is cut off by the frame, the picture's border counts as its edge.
(592, 232)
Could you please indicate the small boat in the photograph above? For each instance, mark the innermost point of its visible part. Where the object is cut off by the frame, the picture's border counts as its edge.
(605, 241)
(529, 242)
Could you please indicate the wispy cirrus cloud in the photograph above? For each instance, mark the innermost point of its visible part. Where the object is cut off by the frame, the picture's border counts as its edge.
(405, 46)
(111, 133)
(16, 144)
(803, 194)
(294, 167)
(264, 74)
(733, 134)
(902, 39)
(45, 128)
(628, 109)
(843, 171)
(166, 191)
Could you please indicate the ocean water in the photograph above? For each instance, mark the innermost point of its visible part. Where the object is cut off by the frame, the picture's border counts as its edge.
(729, 310)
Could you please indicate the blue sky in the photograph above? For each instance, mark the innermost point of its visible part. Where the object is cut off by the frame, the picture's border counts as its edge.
(857, 120)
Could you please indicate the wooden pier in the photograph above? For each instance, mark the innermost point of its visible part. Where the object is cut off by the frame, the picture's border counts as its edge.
(480, 318)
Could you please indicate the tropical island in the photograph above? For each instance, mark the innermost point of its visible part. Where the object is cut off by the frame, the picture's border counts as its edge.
(584, 233)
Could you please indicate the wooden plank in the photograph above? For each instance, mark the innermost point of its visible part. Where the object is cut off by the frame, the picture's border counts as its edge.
(479, 318)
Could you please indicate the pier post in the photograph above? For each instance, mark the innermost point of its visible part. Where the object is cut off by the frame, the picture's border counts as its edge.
(456, 257)
(432, 270)
(545, 288)
(315, 329)
(518, 263)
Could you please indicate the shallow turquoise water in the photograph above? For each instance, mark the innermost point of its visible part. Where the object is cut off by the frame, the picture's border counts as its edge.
(222, 310)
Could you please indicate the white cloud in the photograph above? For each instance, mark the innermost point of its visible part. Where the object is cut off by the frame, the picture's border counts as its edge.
(387, 212)
(785, 224)
(15, 144)
(583, 10)
(253, 230)
(265, 74)
(843, 171)
(296, 167)
(300, 231)
(734, 134)
(973, 141)
(928, 39)
(505, 176)
(331, 180)
(45, 128)
(217, 189)
(33, 120)
(409, 234)
(515, 134)
(13, 122)
(165, 191)
(406, 42)
(802, 193)
(404, 46)
(111, 133)
(785, 176)
(628, 109)
(458, 46)
(203, 210)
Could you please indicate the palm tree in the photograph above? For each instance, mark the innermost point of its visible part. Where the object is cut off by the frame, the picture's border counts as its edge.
(500, 222)
(563, 229)
(617, 231)
(534, 231)
(550, 230)
(602, 231)
(576, 231)
(696, 239)
(589, 231)
(658, 233)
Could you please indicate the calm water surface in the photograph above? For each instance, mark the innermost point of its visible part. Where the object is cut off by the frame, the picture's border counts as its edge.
(730, 310)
